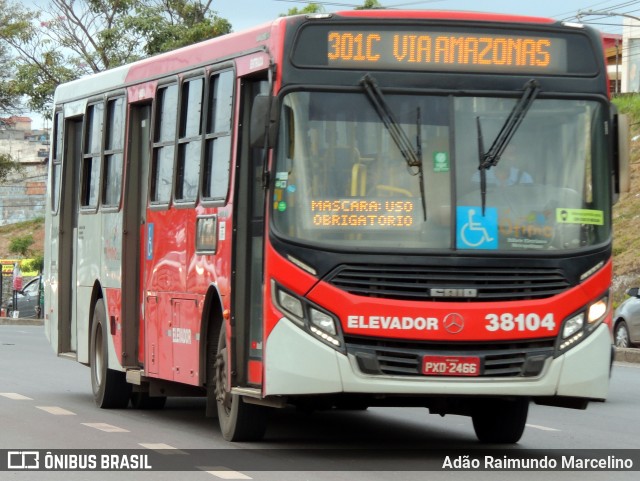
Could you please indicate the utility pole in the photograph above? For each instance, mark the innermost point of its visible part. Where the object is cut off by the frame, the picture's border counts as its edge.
(607, 13)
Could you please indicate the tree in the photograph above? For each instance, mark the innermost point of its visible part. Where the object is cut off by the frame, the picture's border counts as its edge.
(7, 166)
(9, 97)
(369, 5)
(72, 38)
(21, 245)
(35, 264)
(309, 8)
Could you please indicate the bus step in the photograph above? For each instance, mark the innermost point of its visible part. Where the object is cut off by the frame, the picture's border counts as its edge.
(69, 355)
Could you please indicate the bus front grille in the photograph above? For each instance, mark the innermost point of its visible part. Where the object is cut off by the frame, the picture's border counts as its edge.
(446, 283)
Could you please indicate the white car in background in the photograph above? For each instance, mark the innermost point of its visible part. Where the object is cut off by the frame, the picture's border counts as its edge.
(626, 321)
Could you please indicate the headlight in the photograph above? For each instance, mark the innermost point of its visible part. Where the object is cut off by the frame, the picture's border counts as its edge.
(573, 325)
(598, 310)
(323, 321)
(290, 304)
(320, 323)
(580, 325)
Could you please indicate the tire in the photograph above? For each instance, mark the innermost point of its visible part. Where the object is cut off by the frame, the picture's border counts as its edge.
(621, 335)
(142, 400)
(239, 421)
(110, 388)
(500, 421)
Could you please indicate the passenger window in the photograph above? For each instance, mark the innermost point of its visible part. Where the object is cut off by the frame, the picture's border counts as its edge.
(56, 162)
(164, 144)
(218, 137)
(91, 157)
(190, 140)
(113, 155)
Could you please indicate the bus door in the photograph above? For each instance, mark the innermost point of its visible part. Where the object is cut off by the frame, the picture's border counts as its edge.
(134, 208)
(68, 239)
(247, 287)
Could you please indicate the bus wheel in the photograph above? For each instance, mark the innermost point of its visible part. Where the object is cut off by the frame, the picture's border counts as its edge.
(239, 421)
(142, 400)
(500, 421)
(110, 388)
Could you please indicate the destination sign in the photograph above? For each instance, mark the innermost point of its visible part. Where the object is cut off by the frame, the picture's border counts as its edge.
(420, 50)
(439, 48)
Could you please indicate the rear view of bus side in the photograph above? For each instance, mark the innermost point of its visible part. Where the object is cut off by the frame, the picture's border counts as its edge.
(367, 208)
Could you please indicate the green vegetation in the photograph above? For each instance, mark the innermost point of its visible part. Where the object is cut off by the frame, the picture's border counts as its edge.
(67, 39)
(37, 223)
(309, 8)
(7, 166)
(318, 8)
(35, 265)
(626, 213)
(21, 245)
(369, 5)
(629, 104)
(28, 235)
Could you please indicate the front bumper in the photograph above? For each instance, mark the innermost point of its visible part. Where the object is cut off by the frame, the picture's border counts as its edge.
(298, 364)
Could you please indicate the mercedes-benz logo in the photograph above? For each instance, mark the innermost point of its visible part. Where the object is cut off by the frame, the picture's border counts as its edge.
(453, 323)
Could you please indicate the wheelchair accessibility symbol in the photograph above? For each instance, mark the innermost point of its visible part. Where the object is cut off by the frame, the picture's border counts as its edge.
(475, 231)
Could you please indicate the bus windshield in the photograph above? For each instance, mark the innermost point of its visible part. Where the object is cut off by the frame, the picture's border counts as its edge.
(342, 181)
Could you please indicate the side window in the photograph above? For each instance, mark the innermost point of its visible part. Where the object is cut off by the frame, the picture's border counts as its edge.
(113, 152)
(91, 156)
(189, 141)
(56, 161)
(218, 137)
(164, 139)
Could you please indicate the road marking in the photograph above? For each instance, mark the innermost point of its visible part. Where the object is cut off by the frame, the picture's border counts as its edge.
(227, 474)
(107, 428)
(541, 428)
(15, 396)
(162, 448)
(56, 410)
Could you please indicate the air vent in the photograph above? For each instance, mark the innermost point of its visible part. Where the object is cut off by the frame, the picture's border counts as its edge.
(403, 358)
(466, 283)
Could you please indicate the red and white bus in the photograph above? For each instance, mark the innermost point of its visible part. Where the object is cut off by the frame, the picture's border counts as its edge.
(366, 208)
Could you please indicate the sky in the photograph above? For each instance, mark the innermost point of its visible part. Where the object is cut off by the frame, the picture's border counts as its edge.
(246, 13)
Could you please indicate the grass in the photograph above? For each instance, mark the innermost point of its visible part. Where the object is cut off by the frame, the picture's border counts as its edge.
(33, 227)
(626, 213)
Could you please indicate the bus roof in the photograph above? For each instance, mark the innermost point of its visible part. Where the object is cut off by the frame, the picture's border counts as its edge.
(191, 56)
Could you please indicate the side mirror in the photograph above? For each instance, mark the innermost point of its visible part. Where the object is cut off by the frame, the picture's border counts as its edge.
(633, 292)
(264, 113)
(621, 153)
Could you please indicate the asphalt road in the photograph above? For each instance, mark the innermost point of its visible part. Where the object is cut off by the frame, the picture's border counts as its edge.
(46, 404)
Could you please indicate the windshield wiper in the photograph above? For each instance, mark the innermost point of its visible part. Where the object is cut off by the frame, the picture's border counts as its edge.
(413, 156)
(491, 157)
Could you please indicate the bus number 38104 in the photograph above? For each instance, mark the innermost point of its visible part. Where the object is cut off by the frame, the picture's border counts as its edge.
(521, 322)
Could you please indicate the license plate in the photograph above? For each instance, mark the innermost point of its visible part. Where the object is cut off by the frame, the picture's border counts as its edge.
(451, 366)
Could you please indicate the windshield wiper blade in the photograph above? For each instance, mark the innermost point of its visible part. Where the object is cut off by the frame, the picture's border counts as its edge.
(413, 156)
(491, 157)
(483, 171)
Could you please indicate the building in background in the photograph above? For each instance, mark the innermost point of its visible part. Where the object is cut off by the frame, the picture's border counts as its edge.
(22, 195)
(613, 50)
(631, 55)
